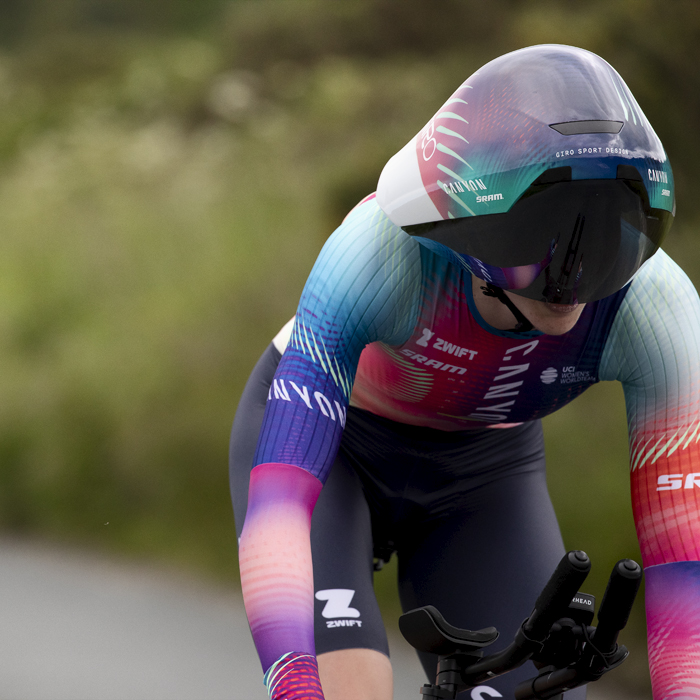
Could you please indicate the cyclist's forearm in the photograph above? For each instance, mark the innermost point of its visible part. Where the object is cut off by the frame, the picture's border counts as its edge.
(664, 504)
(275, 560)
(673, 623)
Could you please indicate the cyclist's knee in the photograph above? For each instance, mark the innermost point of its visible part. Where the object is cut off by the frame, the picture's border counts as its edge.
(349, 674)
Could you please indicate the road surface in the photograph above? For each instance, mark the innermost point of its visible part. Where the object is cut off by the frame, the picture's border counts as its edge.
(75, 626)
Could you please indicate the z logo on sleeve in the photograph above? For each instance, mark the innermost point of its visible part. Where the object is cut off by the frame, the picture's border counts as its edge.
(338, 606)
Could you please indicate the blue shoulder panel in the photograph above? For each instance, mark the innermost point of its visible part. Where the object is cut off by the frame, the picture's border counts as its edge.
(364, 287)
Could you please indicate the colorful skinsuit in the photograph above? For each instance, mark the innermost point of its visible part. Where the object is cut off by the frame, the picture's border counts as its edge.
(391, 327)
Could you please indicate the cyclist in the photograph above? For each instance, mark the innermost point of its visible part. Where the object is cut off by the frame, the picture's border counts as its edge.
(508, 261)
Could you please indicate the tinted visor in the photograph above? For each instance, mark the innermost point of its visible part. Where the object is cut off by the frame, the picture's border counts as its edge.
(567, 242)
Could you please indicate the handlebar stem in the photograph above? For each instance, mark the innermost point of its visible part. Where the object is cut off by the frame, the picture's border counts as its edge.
(515, 654)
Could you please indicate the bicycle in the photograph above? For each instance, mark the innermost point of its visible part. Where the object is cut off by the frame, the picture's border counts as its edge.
(557, 636)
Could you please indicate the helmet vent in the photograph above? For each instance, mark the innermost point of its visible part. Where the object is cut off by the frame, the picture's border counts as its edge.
(553, 175)
(628, 172)
(587, 126)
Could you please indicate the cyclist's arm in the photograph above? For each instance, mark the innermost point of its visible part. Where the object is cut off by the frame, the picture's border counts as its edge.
(654, 350)
(364, 287)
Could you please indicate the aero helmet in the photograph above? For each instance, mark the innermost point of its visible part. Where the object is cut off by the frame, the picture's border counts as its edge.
(540, 175)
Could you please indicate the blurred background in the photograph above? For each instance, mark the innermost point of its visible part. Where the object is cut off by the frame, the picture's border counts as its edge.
(168, 173)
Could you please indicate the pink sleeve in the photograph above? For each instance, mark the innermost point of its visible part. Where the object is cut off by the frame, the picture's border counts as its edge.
(654, 350)
(668, 526)
(673, 621)
(277, 577)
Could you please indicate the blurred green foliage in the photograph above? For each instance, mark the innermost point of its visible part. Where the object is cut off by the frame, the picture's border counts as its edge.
(168, 173)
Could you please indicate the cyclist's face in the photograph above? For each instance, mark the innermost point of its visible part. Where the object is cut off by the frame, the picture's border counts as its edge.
(552, 319)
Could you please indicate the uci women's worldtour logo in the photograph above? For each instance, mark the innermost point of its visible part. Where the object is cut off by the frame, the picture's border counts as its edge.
(549, 376)
(568, 375)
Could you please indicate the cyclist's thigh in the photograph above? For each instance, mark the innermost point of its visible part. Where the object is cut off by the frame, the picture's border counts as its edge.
(485, 564)
(246, 428)
(346, 610)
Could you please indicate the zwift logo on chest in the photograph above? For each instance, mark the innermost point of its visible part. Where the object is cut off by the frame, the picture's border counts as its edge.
(500, 388)
(428, 340)
(441, 344)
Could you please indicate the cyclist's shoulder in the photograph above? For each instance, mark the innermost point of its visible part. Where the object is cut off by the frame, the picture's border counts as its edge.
(366, 255)
(367, 234)
(367, 278)
(660, 294)
(659, 320)
(659, 282)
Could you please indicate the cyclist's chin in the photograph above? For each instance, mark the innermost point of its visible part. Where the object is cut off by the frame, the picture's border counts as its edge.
(555, 319)
(552, 319)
